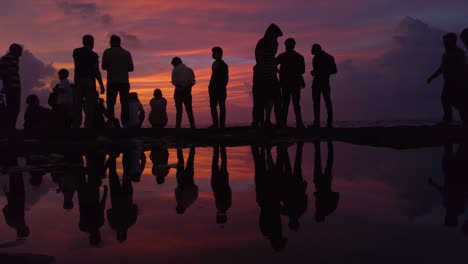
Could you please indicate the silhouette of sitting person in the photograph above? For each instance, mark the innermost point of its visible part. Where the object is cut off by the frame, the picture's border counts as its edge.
(74, 171)
(266, 89)
(158, 114)
(124, 212)
(118, 63)
(136, 112)
(183, 79)
(295, 197)
(217, 88)
(61, 99)
(160, 159)
(37, 116)
(326, 200)
(134, 162)
(101, 114)
(452, 70)
(267, 188)
(220, 185)
(15, 208)
(455, 183)
(91, 204)
(292, 67)
(9, 73)
(186, 192)
(323, 67)
(86, 73)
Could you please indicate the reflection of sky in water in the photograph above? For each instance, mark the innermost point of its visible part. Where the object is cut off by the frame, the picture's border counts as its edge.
(387, 212)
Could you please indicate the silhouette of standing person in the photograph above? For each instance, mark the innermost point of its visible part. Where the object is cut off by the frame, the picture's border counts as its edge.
(123, 213)
(118, 63)
(183, 79)
(9, 73)
(455, 183)
(295, 197)
(323, 66)
(326, 200)
(267, 188)
(452, 70)
(266, 89)
(220, 185)
(86, 73)
(292, 67)
(217, 88)
(91, 204)
(16, 197)
(186, 192)
(464, 102)
(160, 159)
(158, 114)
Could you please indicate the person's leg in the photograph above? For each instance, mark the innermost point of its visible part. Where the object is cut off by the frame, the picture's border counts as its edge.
(296, 100)
(286, 94)
(78, 102)
(111, 97)
(124, 91)
(13, 100)
(328, 104)
(178, 105)
(316, 102)
(188, 108)
(447, 107)
(90, 103)
(222, 110)
(214, 111)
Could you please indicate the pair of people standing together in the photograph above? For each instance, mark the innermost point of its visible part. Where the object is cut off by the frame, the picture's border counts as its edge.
(269, 92)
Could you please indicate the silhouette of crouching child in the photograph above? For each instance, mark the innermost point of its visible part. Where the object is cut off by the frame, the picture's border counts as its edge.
(37, 116)
(158, 115)
(136, 112)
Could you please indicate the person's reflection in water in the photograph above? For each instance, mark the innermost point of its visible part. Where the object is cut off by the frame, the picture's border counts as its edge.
(160, 158)
(326, 200)
(453, 192)
(220, 185)
(134, 162)
(91, 204)
(69, 184)
(124, 212)
(267, 188)
(295, 198)
(16, 197)
(186, 192)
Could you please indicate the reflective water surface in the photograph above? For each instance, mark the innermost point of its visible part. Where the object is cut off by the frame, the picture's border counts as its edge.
(324, 202)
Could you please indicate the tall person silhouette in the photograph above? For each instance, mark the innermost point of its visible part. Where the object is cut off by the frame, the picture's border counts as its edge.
(452, 70)
(118, 63)
(326, 200)
(220, 185)
(186, 192)
(323, 67)
(217, 88)
(292, 67)
(464, 103)
(266, 89)
(183, 79)
(9, 73)
(86, 73)
(123, 213)
(16, 200)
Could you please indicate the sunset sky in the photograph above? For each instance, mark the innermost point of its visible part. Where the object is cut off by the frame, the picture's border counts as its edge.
(385, 49)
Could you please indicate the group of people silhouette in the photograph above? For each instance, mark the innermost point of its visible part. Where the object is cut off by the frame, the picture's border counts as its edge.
(68, 101)
(279, 185)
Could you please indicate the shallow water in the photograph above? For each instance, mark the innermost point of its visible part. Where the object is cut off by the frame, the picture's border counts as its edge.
(369, 205)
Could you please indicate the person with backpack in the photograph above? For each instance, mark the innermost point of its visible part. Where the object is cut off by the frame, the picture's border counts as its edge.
(323, 67)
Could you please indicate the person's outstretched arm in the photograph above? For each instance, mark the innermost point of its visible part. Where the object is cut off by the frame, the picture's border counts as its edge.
(437, 73)
(131, 67)
(97, 74)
